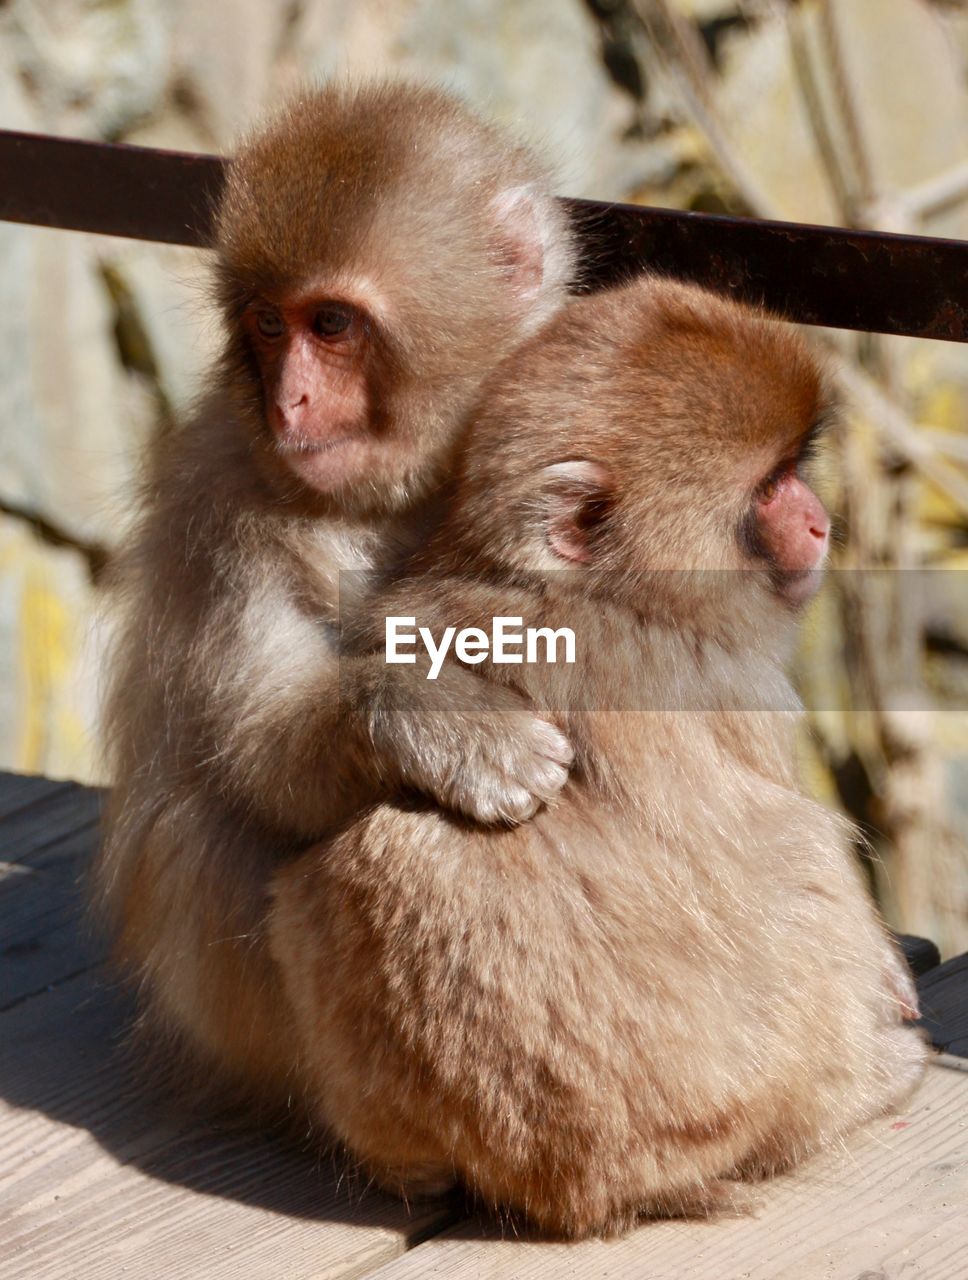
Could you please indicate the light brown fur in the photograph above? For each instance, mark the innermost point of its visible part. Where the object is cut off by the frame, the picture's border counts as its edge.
(227, 740)
(672, 978)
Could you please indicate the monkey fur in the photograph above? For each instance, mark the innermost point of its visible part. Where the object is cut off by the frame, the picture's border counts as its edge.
(671, 979)
(378, 251)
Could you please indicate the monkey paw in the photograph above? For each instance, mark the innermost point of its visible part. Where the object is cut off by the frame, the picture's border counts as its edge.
(473, 746)
(509, 772)
(492, 766)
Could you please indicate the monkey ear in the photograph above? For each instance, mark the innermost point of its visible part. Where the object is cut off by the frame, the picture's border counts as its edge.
(523, 238)
(578, 495)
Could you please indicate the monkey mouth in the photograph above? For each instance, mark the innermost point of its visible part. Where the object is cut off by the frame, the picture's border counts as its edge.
(324, 464)
(302, 445)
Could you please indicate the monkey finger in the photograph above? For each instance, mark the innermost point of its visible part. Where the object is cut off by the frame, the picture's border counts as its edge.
(509, 800)
(554, 745)
(495, 801)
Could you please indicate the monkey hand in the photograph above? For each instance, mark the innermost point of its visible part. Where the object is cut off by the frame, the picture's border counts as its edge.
(475, 747)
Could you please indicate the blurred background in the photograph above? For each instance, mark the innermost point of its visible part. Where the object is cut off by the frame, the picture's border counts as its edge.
(852, 112)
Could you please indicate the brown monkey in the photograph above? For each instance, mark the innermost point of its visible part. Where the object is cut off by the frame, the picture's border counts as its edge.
(378, 251)
(673, 978)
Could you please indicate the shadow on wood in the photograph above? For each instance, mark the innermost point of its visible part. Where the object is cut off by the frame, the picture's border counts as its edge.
(65, 1066)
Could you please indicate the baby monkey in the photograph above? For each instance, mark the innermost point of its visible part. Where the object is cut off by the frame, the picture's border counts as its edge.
(378, 251)
(672, 979)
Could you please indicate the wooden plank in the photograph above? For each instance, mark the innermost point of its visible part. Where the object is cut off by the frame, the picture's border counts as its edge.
(866, 280)
(111, 188)
(44, 934)
(17, 790)
(30, 832)
(892, 1203)
(943, 994)
(47, 838)
(95, 1172)
(99, 1179)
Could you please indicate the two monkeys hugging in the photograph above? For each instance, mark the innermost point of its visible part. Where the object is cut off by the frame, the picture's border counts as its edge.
(572, 938)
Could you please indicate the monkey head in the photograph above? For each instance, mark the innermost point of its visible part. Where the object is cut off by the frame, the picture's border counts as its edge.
(653, 439)
(379, 250)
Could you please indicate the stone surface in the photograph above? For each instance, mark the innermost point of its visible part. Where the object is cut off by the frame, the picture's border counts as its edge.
(911, 94)
(906, 78)
(93, 67)
(48, 689)
(764, 118)
(223, 62)
(167, 287)
(535, 65)
(69, 439)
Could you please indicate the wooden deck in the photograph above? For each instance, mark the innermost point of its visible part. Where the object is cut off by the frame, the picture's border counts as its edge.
(98, 1177)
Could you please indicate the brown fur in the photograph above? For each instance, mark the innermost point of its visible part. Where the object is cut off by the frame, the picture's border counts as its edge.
(672, 978)
(227, 740)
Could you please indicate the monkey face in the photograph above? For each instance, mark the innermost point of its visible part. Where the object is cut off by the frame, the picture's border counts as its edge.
(655, 440)
(378, 252)
(311, 352)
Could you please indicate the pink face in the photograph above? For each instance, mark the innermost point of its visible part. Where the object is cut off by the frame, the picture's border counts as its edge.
(793, 531)
(312, 356)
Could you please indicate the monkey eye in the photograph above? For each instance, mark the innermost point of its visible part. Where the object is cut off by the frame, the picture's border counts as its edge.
(269, 324)
(332, 320)
(767, 490)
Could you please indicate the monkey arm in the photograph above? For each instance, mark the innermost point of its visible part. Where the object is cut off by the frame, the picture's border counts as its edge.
(474, 746)
(306, 736)
(361, 729)
(469, 740)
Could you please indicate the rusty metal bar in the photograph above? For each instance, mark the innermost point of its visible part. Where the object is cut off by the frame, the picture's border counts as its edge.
(113, 189)
(916, 285)
(868, 280)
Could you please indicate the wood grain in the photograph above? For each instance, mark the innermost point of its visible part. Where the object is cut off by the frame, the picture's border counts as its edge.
(905, 284)
(99, 1177)
(99, 1174)
(48, 832)
(893, 1203)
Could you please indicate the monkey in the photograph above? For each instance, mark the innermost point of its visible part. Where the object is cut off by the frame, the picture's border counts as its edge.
(377, 250)
(671, 983)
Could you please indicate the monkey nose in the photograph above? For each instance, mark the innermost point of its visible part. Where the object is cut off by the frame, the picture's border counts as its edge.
(819, 527)
(289, 411)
